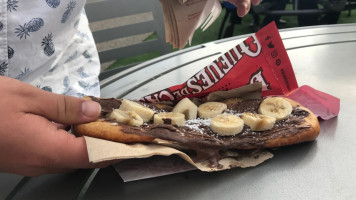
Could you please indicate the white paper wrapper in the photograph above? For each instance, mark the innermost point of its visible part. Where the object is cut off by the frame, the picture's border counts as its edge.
(102, 150)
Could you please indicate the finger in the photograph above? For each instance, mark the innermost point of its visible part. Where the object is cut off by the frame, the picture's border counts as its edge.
(62, 108)
(59, 149)
(62, 126)
(71, 153)
(75, 155)
(243, 8)
(50, 150)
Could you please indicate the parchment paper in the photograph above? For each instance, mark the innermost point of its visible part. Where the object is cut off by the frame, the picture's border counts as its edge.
(103, 150)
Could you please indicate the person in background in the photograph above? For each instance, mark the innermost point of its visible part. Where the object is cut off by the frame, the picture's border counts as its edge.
(274, 5)
(234, 19)
(333, 8)
(48, 60)
(308, 20)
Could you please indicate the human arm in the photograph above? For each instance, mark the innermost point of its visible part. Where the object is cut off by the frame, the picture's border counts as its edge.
(243, 6)
(30, 143)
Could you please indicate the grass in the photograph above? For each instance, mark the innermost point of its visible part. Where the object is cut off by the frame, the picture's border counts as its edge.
(212, 32)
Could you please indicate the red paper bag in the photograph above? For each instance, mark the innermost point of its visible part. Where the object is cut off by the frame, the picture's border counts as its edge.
(323, 105)
(261, 57)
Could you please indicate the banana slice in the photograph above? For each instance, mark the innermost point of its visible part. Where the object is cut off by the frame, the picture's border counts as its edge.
(258, 122)
(186, 107)
(211, 109)
(169, 118)
(144, 112)
(126, 117)
(226, 124)
(275, 107)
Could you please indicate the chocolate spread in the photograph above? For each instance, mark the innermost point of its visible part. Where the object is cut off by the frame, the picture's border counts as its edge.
(197, 135)
(107, 105)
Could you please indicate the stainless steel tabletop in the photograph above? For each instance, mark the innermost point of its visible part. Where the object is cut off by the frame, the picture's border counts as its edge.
(323, 57)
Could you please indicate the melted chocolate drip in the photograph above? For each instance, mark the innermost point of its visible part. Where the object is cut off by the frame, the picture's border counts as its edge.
(107, 105)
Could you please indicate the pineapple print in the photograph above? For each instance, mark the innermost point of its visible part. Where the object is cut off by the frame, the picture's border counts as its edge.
(3, 67)
(71, 57)
(11, 5)
(48, 45)
(53, 3)
(82, 73)
(76, 23)
(10, 52)
(80, 95)
(45, 88)
(87, 55)
(24, 73)
(66, 83)
(68, 11)
(53, 68)
(33, 25)
(87, 86)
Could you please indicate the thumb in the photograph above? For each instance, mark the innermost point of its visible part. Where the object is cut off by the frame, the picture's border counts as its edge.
(65, 109)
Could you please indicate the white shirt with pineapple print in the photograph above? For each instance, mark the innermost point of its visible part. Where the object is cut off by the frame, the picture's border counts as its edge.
(48, 43)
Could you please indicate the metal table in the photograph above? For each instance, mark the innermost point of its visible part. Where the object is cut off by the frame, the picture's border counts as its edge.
(323, 57)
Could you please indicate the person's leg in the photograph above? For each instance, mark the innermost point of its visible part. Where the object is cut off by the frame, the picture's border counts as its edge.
(330, 18)
(276, 5)
(308, 20)
(255, 23)
(234, 19)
